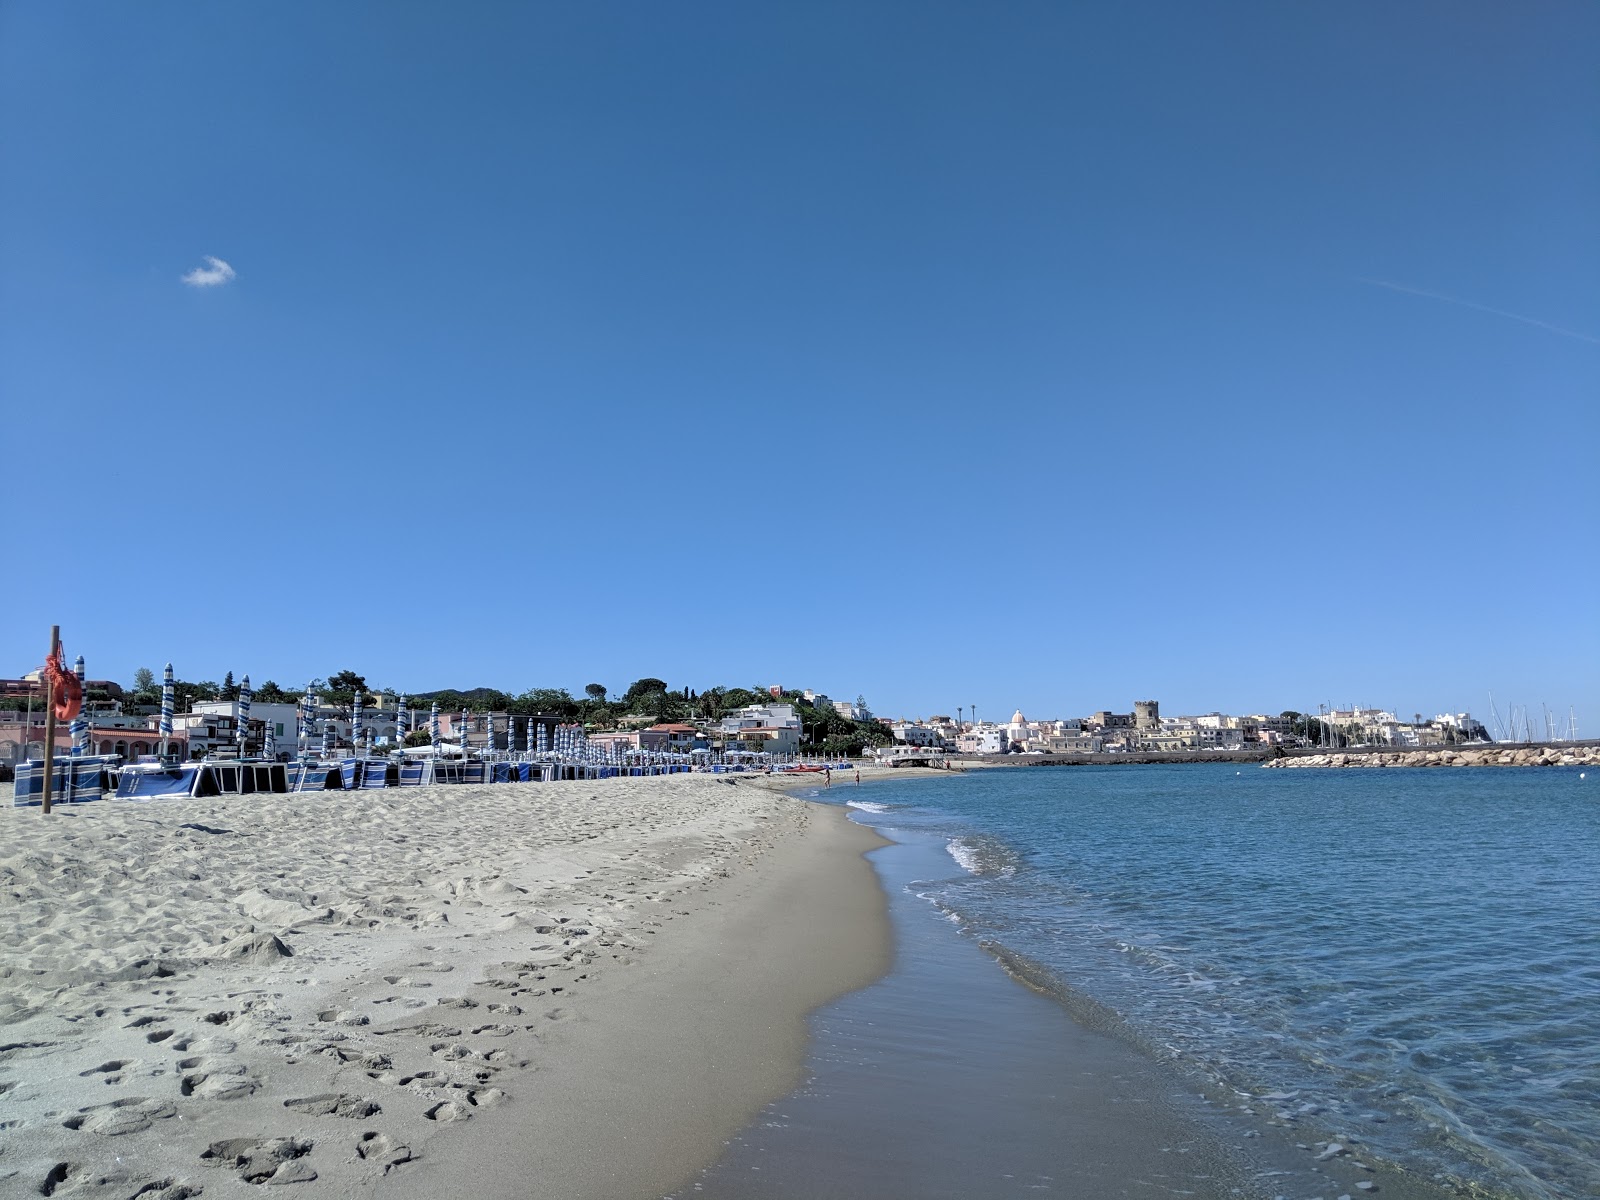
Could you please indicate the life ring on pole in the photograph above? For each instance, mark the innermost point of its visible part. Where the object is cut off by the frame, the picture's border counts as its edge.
(64, 686)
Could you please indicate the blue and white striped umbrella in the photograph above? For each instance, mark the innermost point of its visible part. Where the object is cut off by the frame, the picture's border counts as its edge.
(543, 744)
(355, 723)
(245, 696)
(269, 745)
(328, 737)
(400, 720)
(308, 718)
(463, 731)
(80, 723)
(167, 693)
(532, 724)
(488, 731)
(433, 726)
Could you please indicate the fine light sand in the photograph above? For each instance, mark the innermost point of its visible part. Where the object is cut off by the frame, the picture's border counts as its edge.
(576, 989)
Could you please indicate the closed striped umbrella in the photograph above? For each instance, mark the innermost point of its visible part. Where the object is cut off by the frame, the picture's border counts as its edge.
(269, 746)
(308, 718)
(463, 731)
(532, 724)
(245, 696)
(433, 726)
(488, 731)
(355, 723)
(328, 737)
(544, 739)
(400, 724)
(167, 706)
(80, 723)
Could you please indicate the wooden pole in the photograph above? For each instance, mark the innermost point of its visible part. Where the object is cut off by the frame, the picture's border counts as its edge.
(50, 720)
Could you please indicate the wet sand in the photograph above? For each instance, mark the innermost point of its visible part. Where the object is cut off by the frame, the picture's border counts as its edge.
(951, 1078)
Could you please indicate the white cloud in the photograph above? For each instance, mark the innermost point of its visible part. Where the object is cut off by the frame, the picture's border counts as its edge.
(214, 273)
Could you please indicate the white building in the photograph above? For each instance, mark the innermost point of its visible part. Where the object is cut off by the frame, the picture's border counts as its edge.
(983, 739)
(914, 733)
(281, 718)
(776, 727)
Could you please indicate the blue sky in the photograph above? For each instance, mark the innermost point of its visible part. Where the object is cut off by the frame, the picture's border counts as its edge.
(1244, 356)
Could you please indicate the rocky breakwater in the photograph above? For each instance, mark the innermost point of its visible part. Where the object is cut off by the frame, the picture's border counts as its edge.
(1479, 756)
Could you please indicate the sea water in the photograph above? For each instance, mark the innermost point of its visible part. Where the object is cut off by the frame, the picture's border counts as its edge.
(1411, 956)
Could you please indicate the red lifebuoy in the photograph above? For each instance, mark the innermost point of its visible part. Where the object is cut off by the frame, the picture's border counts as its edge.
(64, 685)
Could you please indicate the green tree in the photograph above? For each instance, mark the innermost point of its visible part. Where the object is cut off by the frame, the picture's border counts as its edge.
(341, 688)
(229, 691)
(641, 688)
(144, 680)
(595, 692)
(554, 701)
(270, 693)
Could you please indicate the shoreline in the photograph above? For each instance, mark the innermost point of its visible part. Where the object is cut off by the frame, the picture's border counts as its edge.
(1250, 1146)
(565, 987)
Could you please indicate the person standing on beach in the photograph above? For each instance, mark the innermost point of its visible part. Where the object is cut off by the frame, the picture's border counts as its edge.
(828, 779)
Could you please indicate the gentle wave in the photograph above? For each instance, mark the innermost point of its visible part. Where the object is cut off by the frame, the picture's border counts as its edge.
(867, 806)
(966, 857)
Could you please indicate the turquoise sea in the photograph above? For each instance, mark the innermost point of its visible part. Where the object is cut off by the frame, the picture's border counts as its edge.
(1412, 956)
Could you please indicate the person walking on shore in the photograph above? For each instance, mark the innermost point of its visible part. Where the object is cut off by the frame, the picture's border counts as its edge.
(828, 778)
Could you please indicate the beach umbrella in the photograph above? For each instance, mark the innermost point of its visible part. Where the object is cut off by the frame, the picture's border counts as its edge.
(488, 731)
(400, 724)
(308, 718)
(433, 726)
(244, 711)
(532, 725)
(463, 735)
(355, 723)
(543, 739)
(167, 691)
(80, 723)
(328, 732)
(269, 745)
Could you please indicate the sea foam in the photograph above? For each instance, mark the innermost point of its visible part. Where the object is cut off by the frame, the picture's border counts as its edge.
(965, 855)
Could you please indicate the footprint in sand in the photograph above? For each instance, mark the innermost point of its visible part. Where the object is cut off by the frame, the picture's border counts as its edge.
(263, 1160)
(166, 1189)
(381, 1149)
(134, 1114)
(217, 1081)
(460, 1107)
(112, 1069)
(332, 1104)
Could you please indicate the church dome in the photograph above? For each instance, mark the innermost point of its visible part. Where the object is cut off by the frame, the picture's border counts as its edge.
(1018, 719)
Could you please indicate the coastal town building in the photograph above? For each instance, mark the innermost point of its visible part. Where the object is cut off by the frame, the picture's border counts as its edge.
(771, 727)
(914, 733)
(983, 739)
(1076, 742)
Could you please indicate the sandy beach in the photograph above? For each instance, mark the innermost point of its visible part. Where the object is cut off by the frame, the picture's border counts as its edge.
(563, 990)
